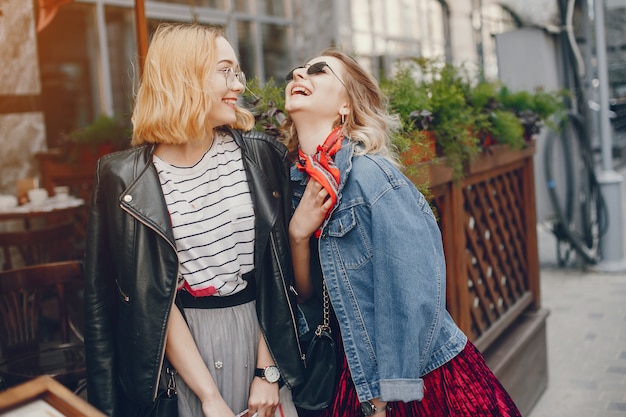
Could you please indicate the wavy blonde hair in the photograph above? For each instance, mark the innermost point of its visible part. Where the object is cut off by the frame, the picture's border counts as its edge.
(174, 98)
(368, 123)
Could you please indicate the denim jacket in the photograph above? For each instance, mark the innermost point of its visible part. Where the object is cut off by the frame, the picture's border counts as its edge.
(382, 258)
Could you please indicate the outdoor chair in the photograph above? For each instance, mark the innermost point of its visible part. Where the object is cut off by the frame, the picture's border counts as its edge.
(41, 310)
(37, 246)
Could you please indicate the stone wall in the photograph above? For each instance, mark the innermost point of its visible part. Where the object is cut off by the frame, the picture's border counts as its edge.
(22, 125)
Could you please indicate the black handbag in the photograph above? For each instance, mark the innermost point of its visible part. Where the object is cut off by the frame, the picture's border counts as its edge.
(166, 404)
(320, 362)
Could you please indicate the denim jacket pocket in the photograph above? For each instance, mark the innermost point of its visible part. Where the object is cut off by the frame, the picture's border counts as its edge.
(343, 225)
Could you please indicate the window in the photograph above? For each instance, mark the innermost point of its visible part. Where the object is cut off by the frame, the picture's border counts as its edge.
(216, 4)
(388, 31)
(493, 20)
(80, 80)
(122, 53)
(275, 51)
(68, 71)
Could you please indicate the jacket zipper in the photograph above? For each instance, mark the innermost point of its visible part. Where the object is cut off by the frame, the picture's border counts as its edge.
(286, 290)
(162, 356)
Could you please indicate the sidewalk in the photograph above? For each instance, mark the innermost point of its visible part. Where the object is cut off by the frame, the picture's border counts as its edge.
(586, 337)
(586, 332)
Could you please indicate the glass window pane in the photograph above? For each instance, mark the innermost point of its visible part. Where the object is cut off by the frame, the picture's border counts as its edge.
(433, 32)
(216, 4)
(378, 14)
(401, 17)
(122, 58)
(362, 42)
(495, 20)
(272, 7)
(247, 52)
(242, 5)
(360, 15)
(67, 51)
(275, 51)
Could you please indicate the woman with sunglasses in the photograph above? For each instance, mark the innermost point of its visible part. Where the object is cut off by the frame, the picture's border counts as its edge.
(187, 263)
(363, 228)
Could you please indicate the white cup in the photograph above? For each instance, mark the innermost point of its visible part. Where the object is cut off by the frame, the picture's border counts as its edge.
(37, 195)
(62, 192)
(7, 202)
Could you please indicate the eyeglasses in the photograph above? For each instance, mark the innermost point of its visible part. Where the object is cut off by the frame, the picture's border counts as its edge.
(313, 69)
(231, 75)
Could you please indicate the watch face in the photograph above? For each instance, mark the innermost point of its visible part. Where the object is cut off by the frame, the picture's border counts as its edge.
(368, 408)
(271, 374)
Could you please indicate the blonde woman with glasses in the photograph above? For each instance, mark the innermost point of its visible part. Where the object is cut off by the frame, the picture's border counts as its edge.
(187, 265)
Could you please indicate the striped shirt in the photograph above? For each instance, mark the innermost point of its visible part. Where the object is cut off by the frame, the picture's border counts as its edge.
(212, 216)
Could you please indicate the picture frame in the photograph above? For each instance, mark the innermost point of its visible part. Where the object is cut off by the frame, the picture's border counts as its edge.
(46, 396)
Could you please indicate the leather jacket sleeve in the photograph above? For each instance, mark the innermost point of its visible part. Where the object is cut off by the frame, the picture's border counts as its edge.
(268, 175)
(100, 315)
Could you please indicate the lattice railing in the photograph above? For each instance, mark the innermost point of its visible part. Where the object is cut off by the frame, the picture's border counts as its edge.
(488, 223)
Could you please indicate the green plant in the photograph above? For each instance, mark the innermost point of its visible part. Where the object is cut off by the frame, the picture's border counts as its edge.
(506, 128)
(492, 122)
(267, 104)
(535, 110)
(105, 130)
(453, 117)
(405, 99)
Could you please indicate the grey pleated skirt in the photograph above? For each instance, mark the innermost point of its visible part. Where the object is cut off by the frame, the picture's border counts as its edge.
(227, 339)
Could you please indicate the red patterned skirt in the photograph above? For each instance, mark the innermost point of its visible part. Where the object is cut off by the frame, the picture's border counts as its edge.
(463, 387)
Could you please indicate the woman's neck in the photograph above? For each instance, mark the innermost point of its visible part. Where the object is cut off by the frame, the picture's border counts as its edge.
(311, 135)
(186, 154)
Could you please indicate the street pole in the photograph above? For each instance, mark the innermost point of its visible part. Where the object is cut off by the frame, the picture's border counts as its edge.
(611, 241)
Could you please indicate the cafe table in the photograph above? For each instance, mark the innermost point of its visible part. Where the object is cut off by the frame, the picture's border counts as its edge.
(51, 209)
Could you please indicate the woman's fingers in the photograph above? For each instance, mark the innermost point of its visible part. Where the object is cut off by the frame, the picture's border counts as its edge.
(316, 191)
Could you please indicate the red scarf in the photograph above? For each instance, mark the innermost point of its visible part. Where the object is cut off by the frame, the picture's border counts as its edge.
(321, 166)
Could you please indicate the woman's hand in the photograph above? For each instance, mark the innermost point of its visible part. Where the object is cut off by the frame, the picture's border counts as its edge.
(182, 352)
(216, 408)
(308, 217)
(311, 211)
(264, 398)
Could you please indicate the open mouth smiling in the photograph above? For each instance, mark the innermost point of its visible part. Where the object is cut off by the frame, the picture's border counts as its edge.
(300, 90)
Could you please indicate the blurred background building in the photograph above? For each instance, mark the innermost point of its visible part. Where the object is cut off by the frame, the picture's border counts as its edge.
(65, 62)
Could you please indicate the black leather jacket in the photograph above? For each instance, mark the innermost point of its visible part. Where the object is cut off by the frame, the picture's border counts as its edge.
(131, 268)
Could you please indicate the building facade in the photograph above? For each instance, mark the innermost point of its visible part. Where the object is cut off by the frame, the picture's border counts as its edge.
(66, 62)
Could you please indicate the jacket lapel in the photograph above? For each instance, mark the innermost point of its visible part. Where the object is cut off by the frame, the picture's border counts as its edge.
(144, 197)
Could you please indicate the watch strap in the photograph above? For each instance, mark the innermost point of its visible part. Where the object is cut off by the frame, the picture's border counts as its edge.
(270, 373)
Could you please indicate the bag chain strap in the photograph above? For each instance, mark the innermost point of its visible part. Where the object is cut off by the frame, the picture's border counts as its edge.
(171, 384)
(325, 326)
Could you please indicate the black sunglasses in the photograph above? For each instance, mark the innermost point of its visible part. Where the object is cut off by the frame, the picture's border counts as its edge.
(314, 69)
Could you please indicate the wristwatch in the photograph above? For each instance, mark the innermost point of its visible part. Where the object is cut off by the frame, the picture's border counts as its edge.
(369, 409)
(270, 373)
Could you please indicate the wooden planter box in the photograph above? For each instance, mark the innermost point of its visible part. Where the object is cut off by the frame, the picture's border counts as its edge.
(488, 223)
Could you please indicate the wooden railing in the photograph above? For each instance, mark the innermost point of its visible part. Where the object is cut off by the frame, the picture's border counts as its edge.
(488, 224)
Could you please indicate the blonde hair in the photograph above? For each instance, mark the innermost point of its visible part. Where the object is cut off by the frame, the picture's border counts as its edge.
(368, 122)
(174, 98)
